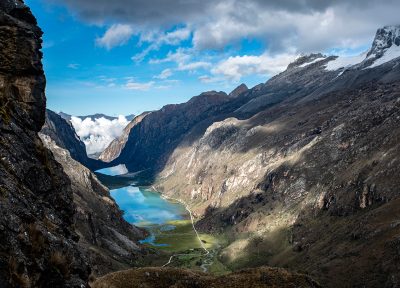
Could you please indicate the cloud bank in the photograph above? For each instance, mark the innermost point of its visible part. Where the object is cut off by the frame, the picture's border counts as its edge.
(307, 25)
(97, 134)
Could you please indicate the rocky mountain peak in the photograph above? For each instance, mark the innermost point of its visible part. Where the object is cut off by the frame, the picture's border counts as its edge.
(385, 38)
(238, 90)
(212, 93)
(306, 59)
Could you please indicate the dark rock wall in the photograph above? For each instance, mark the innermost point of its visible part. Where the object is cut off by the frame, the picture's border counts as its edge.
(38, 244)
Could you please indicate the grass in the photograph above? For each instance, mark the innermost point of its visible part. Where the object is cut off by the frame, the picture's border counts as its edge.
(183, 242)
(182, 237)
(171, 277)
(3, 192)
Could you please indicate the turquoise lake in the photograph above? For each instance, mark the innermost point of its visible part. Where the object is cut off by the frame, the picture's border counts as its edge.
(143, 207)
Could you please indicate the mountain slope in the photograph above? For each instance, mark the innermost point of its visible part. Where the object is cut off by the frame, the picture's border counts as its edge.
(158, 133)
(38, 244)
(64, 135)
(110, 242)
(116, 146)
(170, 277)
(300, 171)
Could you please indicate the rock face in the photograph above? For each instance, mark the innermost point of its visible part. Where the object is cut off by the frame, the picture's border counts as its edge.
(385, 38)
(110, 242)
(116, 146)
(303, 165)
(238, 90)
(63, 134)
(38, 244)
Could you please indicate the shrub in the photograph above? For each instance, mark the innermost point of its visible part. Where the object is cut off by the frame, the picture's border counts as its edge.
(61, 263)
(36, 237)
(17, 276)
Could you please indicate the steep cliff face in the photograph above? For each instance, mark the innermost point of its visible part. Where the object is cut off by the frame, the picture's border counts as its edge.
(305, 181)
(38, 244)
(116, 146)
(63, 134)
(110, 242)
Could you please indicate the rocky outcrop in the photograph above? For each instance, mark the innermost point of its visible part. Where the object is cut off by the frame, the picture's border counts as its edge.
(238, 90)
(38, 243)
(170, 277)
(116, 146)
(110, 242)
(304, 166)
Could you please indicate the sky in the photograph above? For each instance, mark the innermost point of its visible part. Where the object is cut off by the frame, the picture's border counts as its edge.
(125, 57)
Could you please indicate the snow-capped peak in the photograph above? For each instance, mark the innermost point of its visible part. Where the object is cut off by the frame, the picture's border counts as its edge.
(306, 59)
(385, 38)
(385, 47)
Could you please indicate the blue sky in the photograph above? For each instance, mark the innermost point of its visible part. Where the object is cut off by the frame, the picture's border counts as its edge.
(104, 61)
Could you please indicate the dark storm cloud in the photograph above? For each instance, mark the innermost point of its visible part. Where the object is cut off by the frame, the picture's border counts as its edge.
(156, 12)
(300, 25)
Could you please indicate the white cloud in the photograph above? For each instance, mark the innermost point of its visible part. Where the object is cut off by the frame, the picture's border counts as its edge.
(192, 66)
(131, 84)
(157, 39)
(97, 134)
(183, 57)
(166, 73)
(73, 66)
(210, 79)
(180, 56)
(116, 35)
(236, 67)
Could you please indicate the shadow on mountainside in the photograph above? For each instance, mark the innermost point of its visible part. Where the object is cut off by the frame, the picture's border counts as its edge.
(331, 206)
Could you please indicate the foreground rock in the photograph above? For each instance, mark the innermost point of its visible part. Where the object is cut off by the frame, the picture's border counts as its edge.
(170, 277)
(109, 241)
(38, 243)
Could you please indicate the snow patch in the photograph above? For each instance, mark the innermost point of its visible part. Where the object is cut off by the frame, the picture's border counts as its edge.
(345, 62)
(392, 53)
(311, 62)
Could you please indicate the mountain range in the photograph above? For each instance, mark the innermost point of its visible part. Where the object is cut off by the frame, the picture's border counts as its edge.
(299, 172)
(93, 117)
(301, 168)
